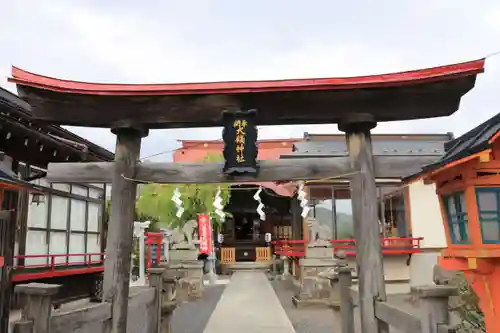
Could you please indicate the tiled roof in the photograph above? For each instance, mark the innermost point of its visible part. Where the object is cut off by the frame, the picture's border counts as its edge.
(382, 147)
(474, 141)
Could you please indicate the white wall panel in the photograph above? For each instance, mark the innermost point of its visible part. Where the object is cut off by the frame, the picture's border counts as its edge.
(58, 246)
(94, 216)
(76, 245)
(94, 193)
(59, 213)
(61, 187)
(79, 190)
(94, 245)
(36, 244)
(37, 214)
(78, 208)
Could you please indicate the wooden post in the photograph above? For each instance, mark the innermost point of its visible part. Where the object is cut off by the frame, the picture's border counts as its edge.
(7, 241)
(274, 269)
(434, 308)
(346, 304)
(37, 298)
(156, 281)
(366, 228)
(120, 226)
(169, 304)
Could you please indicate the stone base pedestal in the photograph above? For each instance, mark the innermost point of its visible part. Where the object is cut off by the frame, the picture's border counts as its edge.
(314, 288)
(183, 255)
(190, 285)
(183, 262)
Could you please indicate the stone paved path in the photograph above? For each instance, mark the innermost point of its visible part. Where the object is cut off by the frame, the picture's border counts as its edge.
(192, 317)
(249, 304)
(306, 320)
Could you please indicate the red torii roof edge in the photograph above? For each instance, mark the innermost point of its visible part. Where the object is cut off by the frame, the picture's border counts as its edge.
(22, 77)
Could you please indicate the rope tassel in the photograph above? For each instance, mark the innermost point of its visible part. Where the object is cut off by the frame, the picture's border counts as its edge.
(260, 206)
(218, 205)
(176, 198)
(301, 195)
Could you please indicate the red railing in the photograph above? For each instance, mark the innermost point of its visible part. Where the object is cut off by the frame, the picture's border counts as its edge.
(52, 262)
(289, 248)
(390, 246)
(52, 267)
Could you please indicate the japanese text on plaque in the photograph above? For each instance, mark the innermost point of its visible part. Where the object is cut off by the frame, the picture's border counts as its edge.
(240, 126)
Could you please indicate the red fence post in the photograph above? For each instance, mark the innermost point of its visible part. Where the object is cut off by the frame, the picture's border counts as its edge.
(53, 262)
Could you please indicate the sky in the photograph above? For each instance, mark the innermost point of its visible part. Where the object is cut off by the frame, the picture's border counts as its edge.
(165, 41)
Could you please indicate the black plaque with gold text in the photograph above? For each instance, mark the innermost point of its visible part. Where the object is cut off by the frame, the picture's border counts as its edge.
(240, 142)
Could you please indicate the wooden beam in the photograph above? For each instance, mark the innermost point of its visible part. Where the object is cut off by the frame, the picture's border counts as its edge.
(394, 167)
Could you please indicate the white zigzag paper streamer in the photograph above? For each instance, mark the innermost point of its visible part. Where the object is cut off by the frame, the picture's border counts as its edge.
(301, 195)
(260, 206)
(176, 198)
(218, 205)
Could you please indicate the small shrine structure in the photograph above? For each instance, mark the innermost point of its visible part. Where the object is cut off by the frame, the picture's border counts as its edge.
(356, 104)
(467, 181)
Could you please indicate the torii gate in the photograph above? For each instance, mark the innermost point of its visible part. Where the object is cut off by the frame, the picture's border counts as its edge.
(356, 104)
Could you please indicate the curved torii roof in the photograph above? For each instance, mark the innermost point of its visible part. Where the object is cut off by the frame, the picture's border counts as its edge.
(424, 93)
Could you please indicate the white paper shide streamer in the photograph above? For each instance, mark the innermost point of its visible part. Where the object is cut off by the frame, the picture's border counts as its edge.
(301, 195)
(260, 206)
(218, 205)
(176, 198)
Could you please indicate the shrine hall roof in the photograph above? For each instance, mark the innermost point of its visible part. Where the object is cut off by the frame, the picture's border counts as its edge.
(30, 141)
(383, 144)
(425, 93)
(475, 141)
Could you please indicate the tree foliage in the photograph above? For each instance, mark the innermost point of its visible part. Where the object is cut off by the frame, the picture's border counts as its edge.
(156, 200)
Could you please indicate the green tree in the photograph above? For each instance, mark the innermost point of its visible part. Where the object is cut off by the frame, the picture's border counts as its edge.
(156, 200)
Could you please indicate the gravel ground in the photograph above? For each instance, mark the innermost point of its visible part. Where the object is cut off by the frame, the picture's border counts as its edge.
(192, 317)
(317, 320)
(305, 320)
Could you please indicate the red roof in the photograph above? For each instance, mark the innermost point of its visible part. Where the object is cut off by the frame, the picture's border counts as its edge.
(425, 93)
(22, 77)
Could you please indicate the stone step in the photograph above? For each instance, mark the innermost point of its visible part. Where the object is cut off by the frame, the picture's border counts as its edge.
(248, 266)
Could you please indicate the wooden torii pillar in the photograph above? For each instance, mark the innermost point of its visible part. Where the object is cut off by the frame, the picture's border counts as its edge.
(369, 260)
(121, 223)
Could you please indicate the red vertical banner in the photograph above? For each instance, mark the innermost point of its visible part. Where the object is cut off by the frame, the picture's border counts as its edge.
(205, 234)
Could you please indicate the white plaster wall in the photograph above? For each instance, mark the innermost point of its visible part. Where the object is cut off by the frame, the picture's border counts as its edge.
(395, 268)
(421, 268)
(425, 213)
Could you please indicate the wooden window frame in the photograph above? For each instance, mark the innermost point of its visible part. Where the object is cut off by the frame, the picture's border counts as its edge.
(482, 220)
(460, 218)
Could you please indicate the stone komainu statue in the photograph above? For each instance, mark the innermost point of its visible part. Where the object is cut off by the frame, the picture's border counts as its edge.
(183, 237)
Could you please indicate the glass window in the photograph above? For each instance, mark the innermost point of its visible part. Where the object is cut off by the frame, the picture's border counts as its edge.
(457, 218)
(488, 203)
(392, 214)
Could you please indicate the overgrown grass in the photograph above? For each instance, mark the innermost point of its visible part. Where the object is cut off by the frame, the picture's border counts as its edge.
(466, 306)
